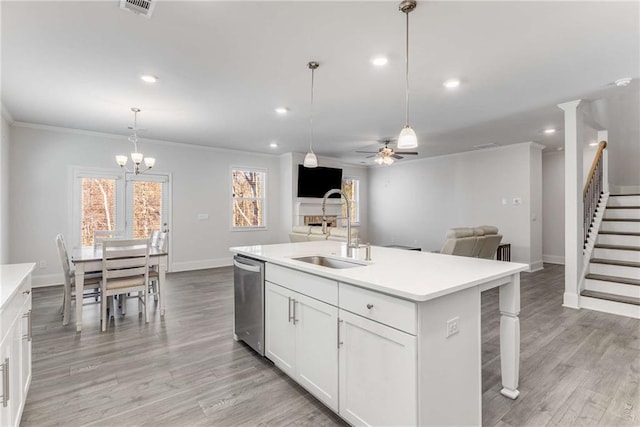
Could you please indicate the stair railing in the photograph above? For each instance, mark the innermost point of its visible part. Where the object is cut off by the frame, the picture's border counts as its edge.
(593, 189)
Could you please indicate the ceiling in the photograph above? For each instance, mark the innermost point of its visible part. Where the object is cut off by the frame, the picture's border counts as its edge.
(224, 67)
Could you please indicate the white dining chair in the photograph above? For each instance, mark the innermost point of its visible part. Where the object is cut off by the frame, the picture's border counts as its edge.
(101, 235)
(155, 287)
(91, 282)
(125, 269)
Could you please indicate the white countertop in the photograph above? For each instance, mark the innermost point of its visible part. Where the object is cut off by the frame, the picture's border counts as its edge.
(11, 276)
(413, 275)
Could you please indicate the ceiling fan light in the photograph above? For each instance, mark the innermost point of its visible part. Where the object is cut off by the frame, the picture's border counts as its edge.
(310, 160)
(387, 160)
(378, 160)
(407, 138)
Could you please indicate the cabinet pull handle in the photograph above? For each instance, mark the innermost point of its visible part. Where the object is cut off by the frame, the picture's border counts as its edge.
(5, 382)
(339, 342)
(369, 306)
(28, 315)
(290, 317)
(294, 312)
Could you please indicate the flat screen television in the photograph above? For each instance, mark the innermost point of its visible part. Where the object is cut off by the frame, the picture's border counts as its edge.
(315, 182)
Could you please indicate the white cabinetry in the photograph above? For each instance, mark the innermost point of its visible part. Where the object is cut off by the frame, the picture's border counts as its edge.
(301, 331)
(15, 344)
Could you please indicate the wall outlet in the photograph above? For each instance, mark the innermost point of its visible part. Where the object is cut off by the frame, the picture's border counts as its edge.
(42, 264)
(452, 327)
(517, 201)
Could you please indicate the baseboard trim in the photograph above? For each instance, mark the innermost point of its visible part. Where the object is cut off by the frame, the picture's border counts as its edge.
(553, 259)
(201, 264)
(535, 266)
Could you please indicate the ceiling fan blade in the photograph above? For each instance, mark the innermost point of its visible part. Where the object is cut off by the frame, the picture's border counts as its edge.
(367, 152)
(395, 156)
(413, 153)
(373, 155)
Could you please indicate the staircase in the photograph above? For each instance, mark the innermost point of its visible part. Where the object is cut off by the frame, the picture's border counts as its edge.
(612, 283)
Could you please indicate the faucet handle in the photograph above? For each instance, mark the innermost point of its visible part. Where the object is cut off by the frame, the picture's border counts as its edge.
(367, 256)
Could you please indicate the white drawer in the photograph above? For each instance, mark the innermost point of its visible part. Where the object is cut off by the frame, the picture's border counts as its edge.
(307, 284)
(395, 312)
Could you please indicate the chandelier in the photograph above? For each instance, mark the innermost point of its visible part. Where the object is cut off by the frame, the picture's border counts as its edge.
(136, 156)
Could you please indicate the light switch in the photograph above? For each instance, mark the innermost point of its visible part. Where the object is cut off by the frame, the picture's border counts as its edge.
(203, 217)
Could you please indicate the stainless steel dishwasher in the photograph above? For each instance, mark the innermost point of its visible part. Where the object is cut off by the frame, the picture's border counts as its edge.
(248, 297)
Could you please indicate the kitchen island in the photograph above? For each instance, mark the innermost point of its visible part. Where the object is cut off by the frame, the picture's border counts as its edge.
(391, 341)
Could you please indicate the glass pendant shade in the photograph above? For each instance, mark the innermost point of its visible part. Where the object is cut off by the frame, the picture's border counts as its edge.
(387, 161)
(407, 138)
(310, 160)
(149, 162)
(136, 158)
(121, 160)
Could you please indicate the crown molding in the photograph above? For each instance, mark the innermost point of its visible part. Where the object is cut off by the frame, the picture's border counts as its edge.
(7, 115)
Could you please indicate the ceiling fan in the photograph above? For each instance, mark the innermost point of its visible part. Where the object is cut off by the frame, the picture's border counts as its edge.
(385, 155)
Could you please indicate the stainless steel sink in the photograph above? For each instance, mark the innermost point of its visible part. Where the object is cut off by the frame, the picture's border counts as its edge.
(329, 262)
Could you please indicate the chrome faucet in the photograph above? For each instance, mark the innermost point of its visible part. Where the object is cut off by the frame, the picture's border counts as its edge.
(350, 244)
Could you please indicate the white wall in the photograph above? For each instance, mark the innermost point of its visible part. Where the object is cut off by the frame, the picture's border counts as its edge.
(5, 141)
(40, 195)
(553, 207)
(416, 202)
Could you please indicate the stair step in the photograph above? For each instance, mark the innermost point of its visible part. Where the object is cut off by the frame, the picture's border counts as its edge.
(623, 207)
(622, 219)
(619, 233)
(615, 279)
(611, 297)
(623, 195)
(618, 247)
(615, 262)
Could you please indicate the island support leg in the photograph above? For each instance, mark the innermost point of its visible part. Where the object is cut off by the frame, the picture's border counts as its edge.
(510, 336)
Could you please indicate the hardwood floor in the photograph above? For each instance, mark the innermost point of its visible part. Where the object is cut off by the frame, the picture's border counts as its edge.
(578, 367)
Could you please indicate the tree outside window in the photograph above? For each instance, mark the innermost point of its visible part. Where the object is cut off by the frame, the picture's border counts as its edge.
(248, 193)
(351, 187)
(98, 207)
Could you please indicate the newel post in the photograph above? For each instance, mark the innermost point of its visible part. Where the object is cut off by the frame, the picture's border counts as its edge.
(603, 135)
(573, 204)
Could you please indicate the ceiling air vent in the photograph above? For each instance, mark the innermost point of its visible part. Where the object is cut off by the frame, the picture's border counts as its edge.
(139, 7)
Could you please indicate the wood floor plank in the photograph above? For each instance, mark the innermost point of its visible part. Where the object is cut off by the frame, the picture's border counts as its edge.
(577, 367)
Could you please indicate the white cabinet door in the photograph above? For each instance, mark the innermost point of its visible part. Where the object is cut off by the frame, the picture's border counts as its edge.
(16, 399)
(25, 357)
(317, 348)
(378, 367)
(6, 416)
(279, 328)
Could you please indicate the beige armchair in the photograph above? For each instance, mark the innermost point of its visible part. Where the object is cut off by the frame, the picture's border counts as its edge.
(300, 233)
(460, 241)
(491, 240)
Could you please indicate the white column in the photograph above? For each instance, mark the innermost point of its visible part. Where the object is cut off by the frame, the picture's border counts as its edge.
(573, 205)
(603, 135)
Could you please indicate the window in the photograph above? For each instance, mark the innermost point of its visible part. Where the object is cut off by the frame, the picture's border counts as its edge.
(98, 207)
(248, 194)
(351, 187)
(147, 208)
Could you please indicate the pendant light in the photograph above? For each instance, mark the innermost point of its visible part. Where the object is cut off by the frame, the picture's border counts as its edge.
(311, 160)
(136, 156)
(407, 138)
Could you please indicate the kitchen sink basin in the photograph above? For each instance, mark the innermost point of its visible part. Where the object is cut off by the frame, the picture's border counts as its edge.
(329, 262)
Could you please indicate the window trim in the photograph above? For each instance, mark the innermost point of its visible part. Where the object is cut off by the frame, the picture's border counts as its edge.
(265, 205)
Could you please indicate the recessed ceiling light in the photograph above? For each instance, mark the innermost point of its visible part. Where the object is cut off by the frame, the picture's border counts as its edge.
(282, 110)
(550, 131)
(273, 145)
(451, 83)
(593, 144)
(149, 78)
(623, 82)
(379, 61)
(560, 148)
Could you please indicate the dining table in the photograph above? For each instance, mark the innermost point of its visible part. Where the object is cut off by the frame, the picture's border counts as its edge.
(89, 259)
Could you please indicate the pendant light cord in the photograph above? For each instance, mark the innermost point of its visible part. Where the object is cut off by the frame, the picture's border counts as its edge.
(311, 115)
(407, 73)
